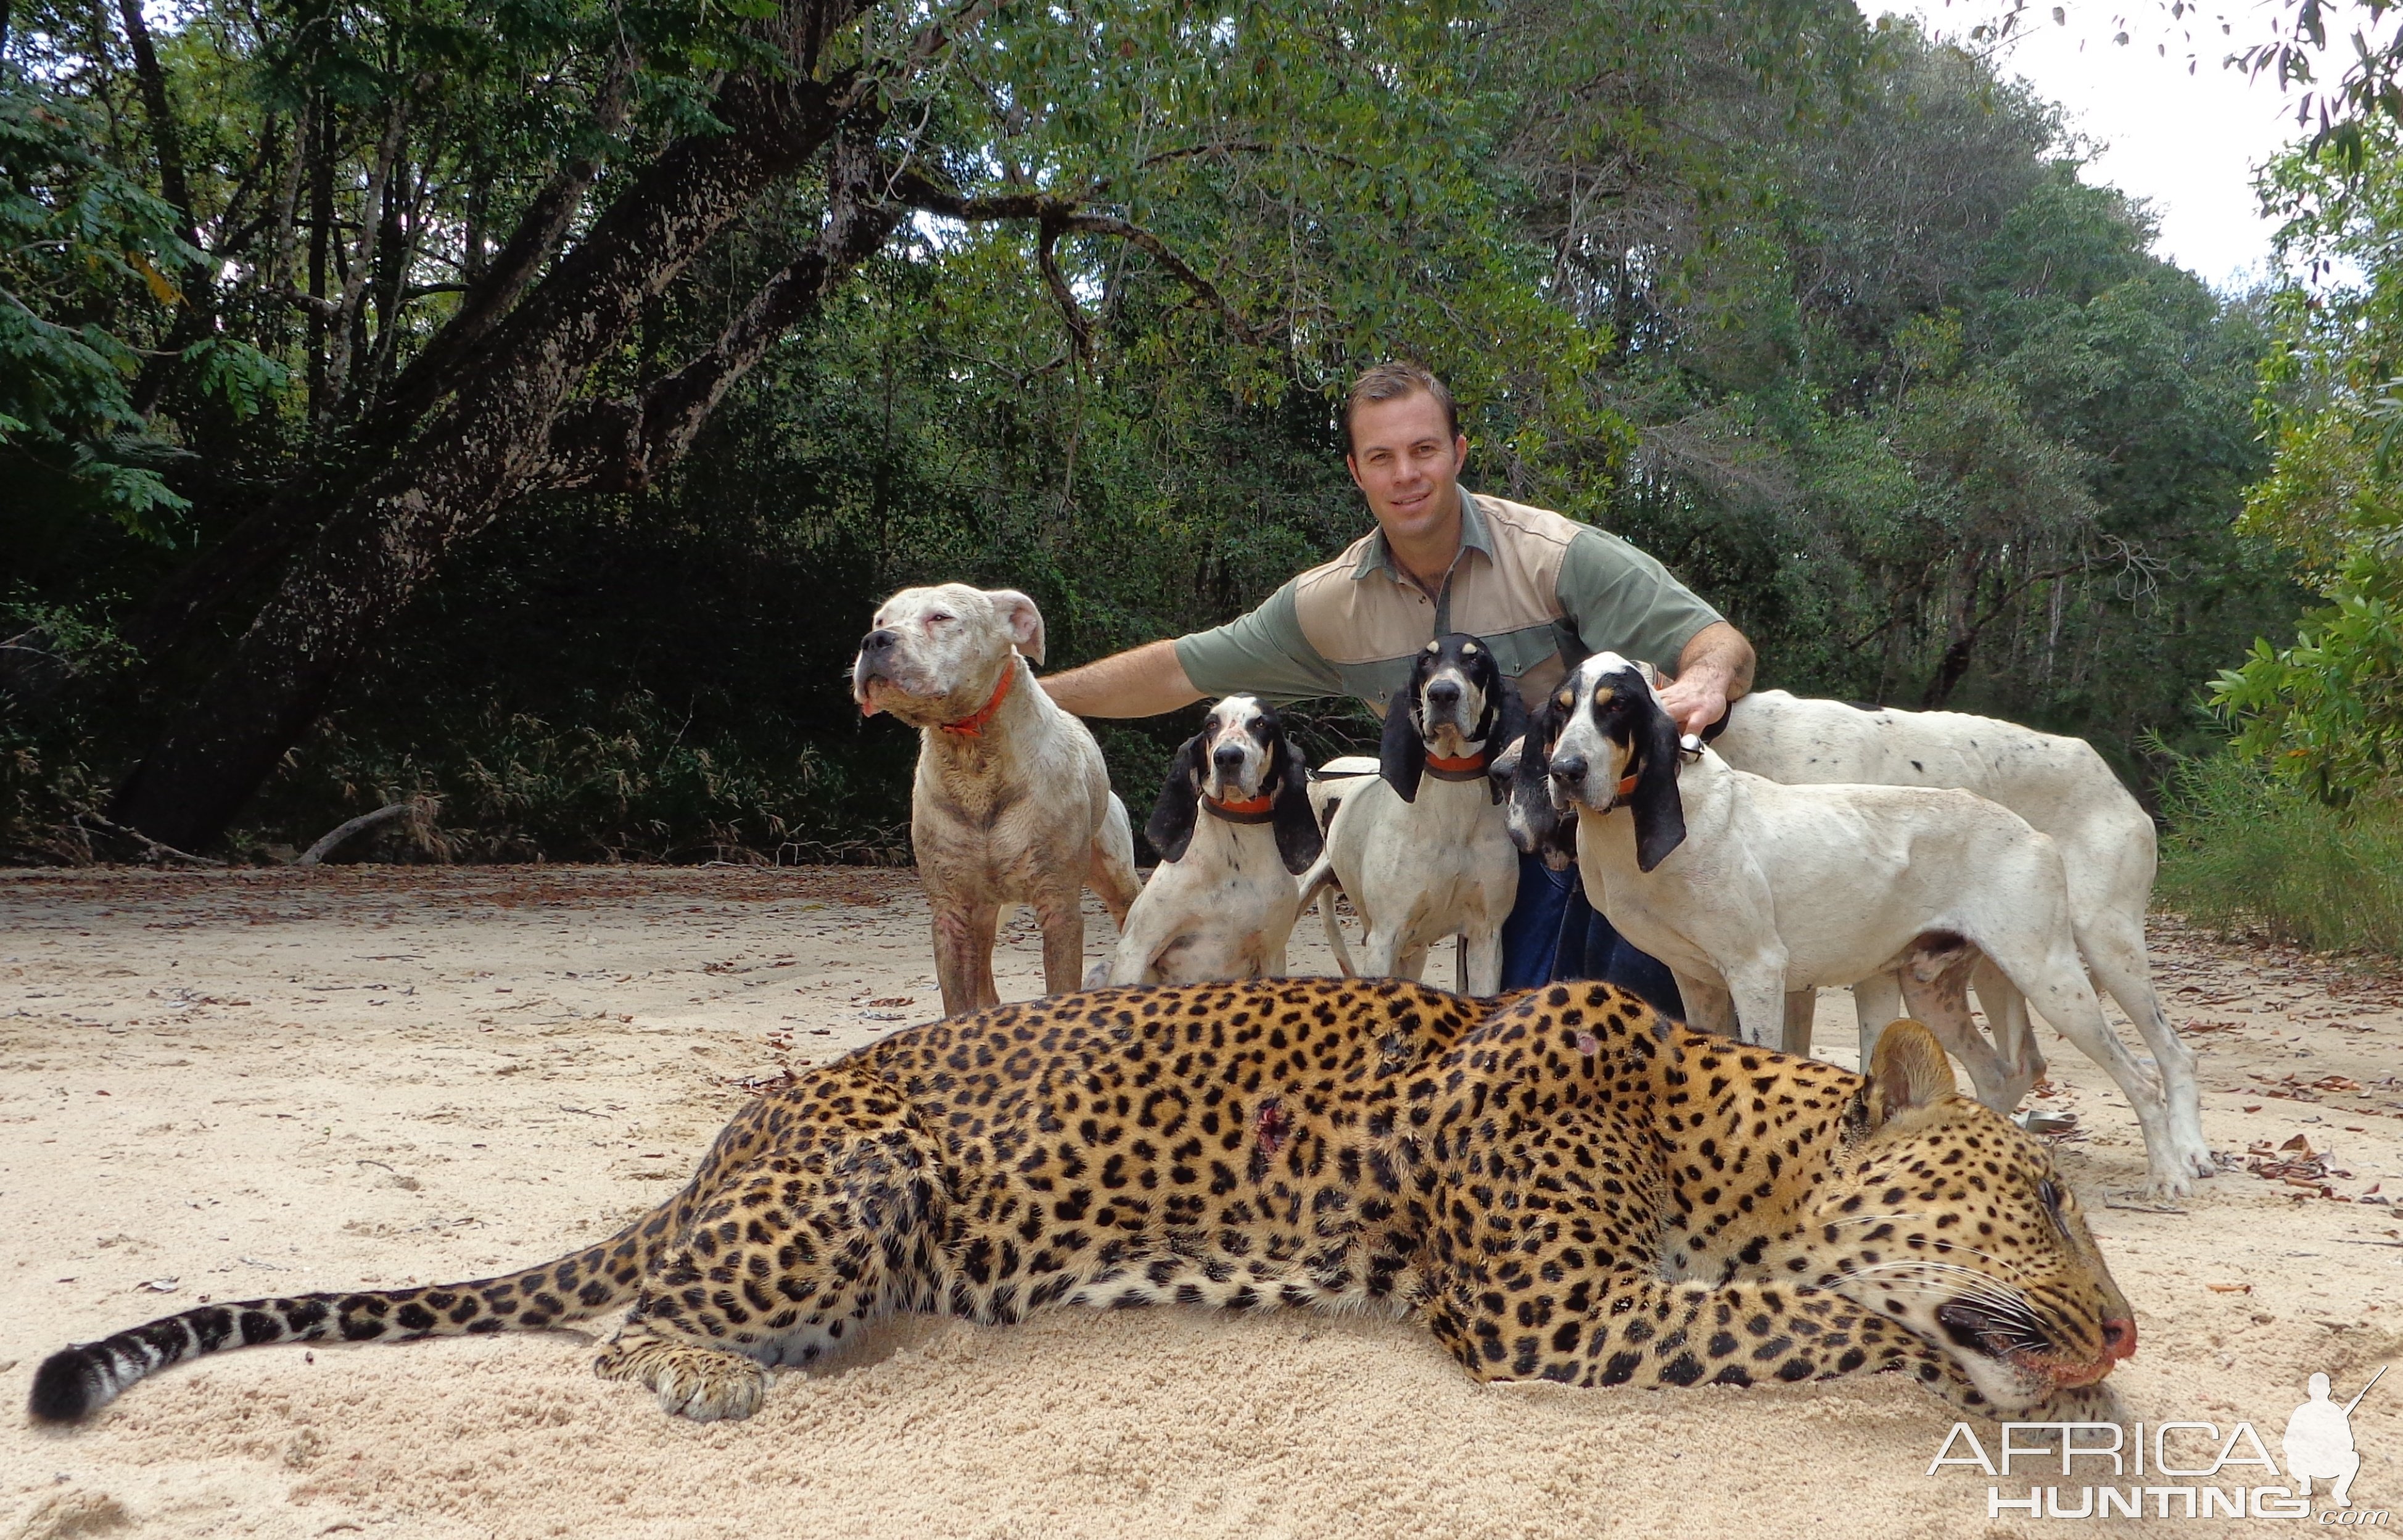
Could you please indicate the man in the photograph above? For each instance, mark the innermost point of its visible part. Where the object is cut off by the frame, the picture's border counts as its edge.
(1542, 590)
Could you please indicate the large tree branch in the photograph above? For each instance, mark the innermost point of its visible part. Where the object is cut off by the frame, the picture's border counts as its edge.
(393, 523)
(545, 224)
(1056, 213)
(166, 142)
(343, 323)
(621, 445)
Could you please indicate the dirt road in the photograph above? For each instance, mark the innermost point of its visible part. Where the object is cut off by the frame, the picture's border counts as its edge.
(220, 1086)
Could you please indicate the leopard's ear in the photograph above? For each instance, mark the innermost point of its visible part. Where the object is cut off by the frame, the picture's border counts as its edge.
(1908, 1069)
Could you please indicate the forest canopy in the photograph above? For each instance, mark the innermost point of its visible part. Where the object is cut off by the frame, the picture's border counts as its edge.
(525, 405)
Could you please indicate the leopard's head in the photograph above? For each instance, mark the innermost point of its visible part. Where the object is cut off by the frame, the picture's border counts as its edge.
(1947, 1217)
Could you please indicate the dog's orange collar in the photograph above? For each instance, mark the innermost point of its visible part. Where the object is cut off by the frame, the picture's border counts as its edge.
(1256, 811)
(1626, 786)
(1469, 765)
(973, 725)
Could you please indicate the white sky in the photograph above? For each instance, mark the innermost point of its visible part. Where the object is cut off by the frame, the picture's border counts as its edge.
(2185, 144)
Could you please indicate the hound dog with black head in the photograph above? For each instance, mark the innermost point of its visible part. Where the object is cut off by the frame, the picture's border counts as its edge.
(1749, 889)
(1423, 848)
(1233, 827)
(1012, 804)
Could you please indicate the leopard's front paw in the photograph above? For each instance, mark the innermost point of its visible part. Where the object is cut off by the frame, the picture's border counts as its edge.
(2094, 1403)
(706, 1384)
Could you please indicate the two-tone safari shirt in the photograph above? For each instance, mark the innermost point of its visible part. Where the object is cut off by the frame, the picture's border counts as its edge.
(1542, 590)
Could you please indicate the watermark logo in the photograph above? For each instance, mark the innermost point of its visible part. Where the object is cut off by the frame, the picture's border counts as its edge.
(2174, 1469)
(2319, 1442)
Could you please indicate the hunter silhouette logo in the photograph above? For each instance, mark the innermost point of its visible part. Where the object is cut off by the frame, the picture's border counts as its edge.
(2319, 1442)
(2174, 1469)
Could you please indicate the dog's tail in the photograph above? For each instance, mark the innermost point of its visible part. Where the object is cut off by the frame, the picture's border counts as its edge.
(77, 1381)
(1335, 933)
(1319, 882)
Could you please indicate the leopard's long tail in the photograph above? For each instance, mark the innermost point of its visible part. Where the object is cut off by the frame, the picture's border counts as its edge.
(77, 1381)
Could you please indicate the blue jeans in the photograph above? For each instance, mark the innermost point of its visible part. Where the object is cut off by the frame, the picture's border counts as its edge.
(1554, 933)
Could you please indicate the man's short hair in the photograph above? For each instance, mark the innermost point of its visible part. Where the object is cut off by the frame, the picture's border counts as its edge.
(1391, 382)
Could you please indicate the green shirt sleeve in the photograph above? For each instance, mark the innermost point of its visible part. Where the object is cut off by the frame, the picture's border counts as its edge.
(1263, 654)
(1619, 600)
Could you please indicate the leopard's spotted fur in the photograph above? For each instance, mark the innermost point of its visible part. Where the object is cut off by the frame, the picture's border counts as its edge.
(1563, 1184)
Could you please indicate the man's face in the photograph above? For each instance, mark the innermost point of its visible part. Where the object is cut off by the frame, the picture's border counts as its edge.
(1407, 462)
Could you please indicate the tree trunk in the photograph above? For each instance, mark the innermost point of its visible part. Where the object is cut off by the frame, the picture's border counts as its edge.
(486, 445)
(164, 139)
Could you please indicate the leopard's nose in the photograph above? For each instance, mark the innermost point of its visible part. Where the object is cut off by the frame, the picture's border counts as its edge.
(2119, 1340)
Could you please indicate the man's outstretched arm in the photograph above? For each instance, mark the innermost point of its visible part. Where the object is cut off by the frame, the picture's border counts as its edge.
(1141, 681)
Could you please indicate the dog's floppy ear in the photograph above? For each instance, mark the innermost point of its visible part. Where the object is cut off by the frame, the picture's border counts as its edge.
(1536, 827)
(1298, 839)
(1659, 815)
(1025, 622)
(1401, 754)
(1506, 724)
(1170, 828)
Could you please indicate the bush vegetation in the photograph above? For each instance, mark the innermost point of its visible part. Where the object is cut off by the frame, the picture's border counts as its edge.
(2250, 851)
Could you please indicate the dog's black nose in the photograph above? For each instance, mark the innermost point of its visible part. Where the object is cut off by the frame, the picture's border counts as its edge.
(878, 640)
(1443, 692)
(1569, 769)
(1229, 758)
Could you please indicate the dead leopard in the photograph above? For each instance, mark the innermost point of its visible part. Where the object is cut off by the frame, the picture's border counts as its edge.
(1561, 1185)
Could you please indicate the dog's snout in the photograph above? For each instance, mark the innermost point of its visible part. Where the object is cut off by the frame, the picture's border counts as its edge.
(1569, 769)
(1228, 758)
(878, 640)
(1444, 693)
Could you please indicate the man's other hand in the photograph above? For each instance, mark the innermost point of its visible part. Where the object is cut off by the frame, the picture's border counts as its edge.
(1714, 669)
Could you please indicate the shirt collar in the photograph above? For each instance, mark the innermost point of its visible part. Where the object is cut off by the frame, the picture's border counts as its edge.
(1379, 557)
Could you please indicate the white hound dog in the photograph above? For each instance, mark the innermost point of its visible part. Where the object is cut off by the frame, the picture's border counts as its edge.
(2063, 788)
(1423, 848)
(1749, 890)
(1233, 828)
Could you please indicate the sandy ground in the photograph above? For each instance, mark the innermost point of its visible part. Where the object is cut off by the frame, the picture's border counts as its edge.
(219, 1086)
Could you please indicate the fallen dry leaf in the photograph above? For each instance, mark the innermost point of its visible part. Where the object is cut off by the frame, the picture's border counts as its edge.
(2230, 1288)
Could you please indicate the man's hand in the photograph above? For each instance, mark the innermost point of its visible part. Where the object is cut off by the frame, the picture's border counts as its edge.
(1715, 670)
(1142, 681)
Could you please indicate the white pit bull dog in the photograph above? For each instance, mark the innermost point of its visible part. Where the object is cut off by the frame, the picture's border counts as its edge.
(1012, 804)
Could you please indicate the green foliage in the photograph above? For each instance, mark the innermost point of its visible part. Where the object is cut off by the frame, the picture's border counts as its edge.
(2328, 711)
(2250, 851)
(1819, 313)
(76, 233)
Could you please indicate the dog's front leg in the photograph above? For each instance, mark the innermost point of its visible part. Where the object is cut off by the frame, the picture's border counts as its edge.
(1756, 985)
(1482, 961)
(964, 936)
(1708, 1005)
(1876, 1001)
